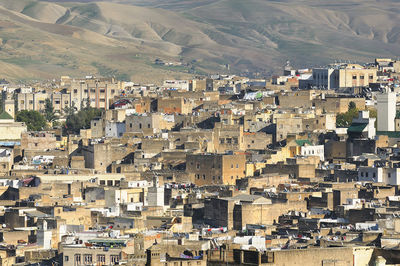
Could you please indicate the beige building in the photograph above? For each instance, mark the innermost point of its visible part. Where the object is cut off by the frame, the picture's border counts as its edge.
(285, 126)
(338, 104)
(228, 138)
(355, 75)
(32, 101)
(211, 169)
(10, 130)
(175, 105)
(41, 140)
(98, 92)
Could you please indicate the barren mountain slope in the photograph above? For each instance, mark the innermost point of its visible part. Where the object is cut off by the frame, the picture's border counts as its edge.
(123, 37)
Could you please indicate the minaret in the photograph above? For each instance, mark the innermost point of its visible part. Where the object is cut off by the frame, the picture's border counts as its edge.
(386, 105)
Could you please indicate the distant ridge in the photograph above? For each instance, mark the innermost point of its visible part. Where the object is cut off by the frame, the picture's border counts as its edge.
(45, 39)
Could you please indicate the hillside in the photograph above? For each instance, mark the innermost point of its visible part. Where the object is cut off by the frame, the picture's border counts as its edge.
(44, 39)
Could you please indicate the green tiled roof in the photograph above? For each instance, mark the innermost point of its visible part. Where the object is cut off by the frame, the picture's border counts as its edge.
(5, 115)
(301, 142)
(357, 128)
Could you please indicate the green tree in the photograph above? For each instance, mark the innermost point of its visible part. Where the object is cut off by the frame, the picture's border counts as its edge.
(398, 114)
(69, 110)
(345, 119)
(352, 105)
(49, 112)
(34, 120)
(81, 120)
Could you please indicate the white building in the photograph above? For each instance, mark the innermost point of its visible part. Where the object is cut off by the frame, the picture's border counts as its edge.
(313, 150)
(155, 194)
(139, 184)
(325, 78)
(176, 84)
(113, 199)
(363, 126)
(386, 106)
(114, 129)
(386, 175)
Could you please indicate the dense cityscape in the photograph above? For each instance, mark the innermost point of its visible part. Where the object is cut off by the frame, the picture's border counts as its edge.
(300, 168)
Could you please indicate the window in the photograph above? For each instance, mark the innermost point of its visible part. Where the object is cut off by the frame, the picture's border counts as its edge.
(94, 124)
(371, 77)
(198, 166)
(75, 91)
(366, 174)
(198, 176)
(87, 258)
(102, 91)
(109, 182)
(148, 125)
(237, 165)
(388, 175)
(66, 258)
(221, 141)
(101, 258)
(102, 182)
(361, 77)
(140, 125)
(204, 177)
(354, 76)
(130, 125)
(374, 175)
(114, 259)
(77, 258)
(231, 165)
(30, 102)
(112, 91)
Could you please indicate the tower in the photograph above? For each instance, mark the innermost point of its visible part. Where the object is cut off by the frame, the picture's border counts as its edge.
(386, 105)
(8, 104)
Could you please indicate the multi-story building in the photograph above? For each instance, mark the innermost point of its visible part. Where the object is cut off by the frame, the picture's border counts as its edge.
(386, 175)
(96, 254)
(97, 92)
(211, 169)
(344, 76)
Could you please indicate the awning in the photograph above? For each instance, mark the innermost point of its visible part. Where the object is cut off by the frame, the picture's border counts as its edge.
(357, 127)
